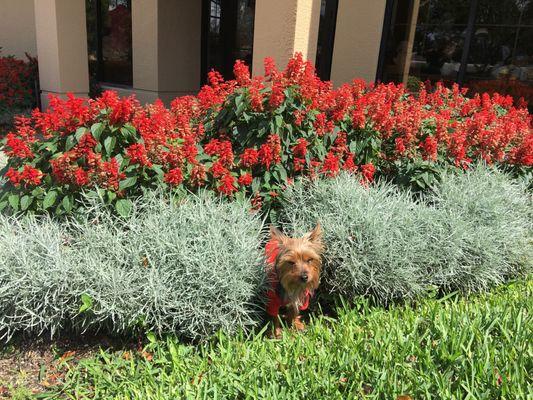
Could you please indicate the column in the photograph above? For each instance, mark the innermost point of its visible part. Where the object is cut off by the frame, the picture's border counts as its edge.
(357, 40)
(61, 36)
(166, 48)
(283, 27)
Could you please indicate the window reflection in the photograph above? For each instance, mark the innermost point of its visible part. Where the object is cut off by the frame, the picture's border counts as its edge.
(501, 54)
(426, 40)
(109, 39)
(228, 35)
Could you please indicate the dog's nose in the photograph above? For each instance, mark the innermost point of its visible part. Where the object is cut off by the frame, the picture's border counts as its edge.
(304, 277)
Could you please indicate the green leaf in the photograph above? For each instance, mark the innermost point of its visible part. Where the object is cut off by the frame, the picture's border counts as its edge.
(239, 102)
(279, 121)
(67, 203)
(25, 202)
(51, 147)
(119, 159)
(97, 129)
(86, 301)
(14, 200)
(80, 132)
(128, 182)
(158, 170)
(69, 144)
(49, 199)
(109, 144)
(283, 173)
(128, 129)
(256, 185)
(111, 196)
(123, 207)
(151, 337)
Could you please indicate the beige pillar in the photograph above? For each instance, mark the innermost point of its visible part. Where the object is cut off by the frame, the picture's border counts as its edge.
(283, 27)
(357, 40)
(166, 48)
(61, 47)
(17, 28)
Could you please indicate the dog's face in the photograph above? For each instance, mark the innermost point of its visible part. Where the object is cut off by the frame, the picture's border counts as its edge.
(299, 260)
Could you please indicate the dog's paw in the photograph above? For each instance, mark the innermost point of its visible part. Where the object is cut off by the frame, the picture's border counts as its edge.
(275, 333)
(299, 325)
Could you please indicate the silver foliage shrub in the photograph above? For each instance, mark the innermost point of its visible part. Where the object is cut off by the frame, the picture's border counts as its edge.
(191, 268)
(473, 231)
(481, 231)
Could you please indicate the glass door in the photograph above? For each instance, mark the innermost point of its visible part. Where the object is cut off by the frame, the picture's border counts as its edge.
(227, 35)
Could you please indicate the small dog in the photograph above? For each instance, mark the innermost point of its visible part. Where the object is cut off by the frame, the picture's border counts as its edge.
(294, 266)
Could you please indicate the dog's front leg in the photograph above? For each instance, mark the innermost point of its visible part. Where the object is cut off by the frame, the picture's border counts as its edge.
(294, 319)
(276, 331)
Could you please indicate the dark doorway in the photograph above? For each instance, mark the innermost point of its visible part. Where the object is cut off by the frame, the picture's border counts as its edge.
(326, 38)
(227, 35)
(109, 41)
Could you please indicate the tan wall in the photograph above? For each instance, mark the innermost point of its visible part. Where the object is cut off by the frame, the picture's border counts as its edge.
(283, 27)
(357, 40)
(61, 47)
(166, 48)
(17, 28)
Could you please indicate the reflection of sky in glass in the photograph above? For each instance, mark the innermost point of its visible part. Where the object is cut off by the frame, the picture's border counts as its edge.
(522, 4)
(215, 17)
(115, 3)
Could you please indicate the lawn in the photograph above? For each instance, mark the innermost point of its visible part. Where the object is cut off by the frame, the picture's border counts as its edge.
(456, 347)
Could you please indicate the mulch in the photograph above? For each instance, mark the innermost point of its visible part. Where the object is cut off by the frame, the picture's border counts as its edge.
(40, 364)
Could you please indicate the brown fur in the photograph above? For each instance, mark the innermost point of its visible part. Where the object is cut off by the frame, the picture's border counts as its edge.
(297, 258)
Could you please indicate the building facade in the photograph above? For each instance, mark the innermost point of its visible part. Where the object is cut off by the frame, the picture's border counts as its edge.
(164, 48)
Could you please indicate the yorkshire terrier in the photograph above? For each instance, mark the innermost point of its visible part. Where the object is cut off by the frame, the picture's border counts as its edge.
(294, 266)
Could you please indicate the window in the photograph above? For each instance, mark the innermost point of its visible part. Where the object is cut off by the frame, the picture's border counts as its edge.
(485, 44)
(109, 41)
(326, 38)
(227, 35)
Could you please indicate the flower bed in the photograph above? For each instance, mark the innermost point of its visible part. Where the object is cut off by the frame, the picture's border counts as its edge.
(195, 265)
(253, 136)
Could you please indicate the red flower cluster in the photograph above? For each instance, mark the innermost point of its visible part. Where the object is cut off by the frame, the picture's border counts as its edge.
(17, 79)
(255, 135)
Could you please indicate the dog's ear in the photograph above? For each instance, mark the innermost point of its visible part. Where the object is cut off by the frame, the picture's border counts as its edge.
(315, 236)
(275, 234)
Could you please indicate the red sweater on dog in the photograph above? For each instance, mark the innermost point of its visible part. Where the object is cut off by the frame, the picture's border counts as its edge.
(275, 302)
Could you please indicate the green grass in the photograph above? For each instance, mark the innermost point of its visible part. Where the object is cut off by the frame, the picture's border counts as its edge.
(458, 347)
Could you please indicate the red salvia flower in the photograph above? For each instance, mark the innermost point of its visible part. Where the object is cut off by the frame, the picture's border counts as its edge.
(245, 179)
(14, 176)
(241, 72)
(174, 177)
(368, 170)
(137, 154)
(249, 158)
(330, 167)
(16, 147)
(227, 185)
(300, 148)
(31, 176)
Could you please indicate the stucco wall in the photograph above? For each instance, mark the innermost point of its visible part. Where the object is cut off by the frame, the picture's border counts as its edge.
(17, 28)
(166, 48)
(357, 40)
(283, 27)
